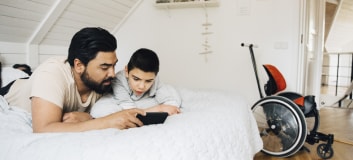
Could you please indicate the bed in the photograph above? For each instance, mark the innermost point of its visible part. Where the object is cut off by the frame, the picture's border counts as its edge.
(213, 125)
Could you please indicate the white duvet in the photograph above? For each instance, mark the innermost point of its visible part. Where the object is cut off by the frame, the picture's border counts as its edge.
(212, 125)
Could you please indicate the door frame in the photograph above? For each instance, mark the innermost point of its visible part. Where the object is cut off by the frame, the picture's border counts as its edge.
(311, 48)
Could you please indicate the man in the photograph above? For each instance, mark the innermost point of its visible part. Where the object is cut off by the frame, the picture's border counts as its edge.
(61, 91)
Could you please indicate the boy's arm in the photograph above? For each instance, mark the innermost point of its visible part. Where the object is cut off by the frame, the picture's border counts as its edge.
(168, 98)
(168, 95)
(104, 106)
(164, 108)
(121, 92)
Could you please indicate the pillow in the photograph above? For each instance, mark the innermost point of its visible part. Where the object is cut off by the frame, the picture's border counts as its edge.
(10, 74)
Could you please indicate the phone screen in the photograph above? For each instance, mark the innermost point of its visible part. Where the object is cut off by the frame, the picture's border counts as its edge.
(153, 118)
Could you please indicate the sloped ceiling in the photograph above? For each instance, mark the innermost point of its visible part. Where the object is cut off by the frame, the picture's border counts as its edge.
(339, 36)
(53, 22)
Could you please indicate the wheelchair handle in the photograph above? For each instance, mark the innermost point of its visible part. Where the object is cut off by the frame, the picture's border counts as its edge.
(251, 46)
(248, 45)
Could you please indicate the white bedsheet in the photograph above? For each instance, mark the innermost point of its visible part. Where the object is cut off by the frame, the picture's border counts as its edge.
(212, 125)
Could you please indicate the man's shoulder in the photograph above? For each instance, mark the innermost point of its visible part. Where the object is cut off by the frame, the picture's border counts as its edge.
(56, 59)
(54, 62)
(55, 67)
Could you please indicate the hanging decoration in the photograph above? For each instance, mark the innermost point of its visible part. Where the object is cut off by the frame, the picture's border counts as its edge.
(206, 33)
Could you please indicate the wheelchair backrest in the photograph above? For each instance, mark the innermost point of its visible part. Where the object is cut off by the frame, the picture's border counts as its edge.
(276, 81)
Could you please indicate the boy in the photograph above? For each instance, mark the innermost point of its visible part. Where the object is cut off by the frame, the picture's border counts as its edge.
(138, 86)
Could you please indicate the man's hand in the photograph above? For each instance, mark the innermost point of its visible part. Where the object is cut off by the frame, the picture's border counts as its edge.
(124, 119)
(76, 117)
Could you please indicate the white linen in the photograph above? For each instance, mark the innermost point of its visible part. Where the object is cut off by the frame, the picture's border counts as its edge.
(10, 74)
(212, 125)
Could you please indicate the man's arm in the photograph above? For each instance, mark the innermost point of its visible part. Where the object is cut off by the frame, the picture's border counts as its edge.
(76, 117)
(47, 117)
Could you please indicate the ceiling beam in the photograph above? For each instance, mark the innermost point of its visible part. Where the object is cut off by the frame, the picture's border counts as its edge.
(32, 54)
(53, 15)
(132, 10)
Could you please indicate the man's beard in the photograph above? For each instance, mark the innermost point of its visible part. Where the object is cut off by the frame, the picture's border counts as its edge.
(97, 87)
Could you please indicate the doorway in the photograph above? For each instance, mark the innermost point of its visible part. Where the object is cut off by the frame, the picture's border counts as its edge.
(337, 71)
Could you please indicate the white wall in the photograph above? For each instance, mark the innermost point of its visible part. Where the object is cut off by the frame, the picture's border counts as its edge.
(47, 51)
(12, 53)
(175, 34)
(17, 53)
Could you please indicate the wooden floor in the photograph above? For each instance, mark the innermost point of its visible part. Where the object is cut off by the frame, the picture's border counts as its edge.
(336, 121)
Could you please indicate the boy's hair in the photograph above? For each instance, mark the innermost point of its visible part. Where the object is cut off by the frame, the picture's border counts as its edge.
(87, 42)
(145, 60)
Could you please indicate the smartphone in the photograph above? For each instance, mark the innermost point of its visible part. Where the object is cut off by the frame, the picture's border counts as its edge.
(153, 117)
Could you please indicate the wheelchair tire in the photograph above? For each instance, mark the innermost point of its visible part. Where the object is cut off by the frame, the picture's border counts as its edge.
(281, 124)
(312, 122)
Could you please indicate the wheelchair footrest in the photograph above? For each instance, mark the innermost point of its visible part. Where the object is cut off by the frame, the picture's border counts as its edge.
(315, 137)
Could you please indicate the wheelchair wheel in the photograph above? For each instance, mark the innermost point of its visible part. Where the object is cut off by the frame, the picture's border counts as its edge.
(312, 119)
(325, 151)
(281, 124)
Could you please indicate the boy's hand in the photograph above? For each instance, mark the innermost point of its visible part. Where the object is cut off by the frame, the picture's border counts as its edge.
(164, 108)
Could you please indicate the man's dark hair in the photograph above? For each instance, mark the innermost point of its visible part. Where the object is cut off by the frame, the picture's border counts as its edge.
(144, 59)
(87, 42)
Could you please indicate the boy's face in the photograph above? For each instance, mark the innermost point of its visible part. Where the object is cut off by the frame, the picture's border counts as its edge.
(139, 81)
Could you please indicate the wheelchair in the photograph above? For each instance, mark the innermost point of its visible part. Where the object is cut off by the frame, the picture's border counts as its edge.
(286, 120)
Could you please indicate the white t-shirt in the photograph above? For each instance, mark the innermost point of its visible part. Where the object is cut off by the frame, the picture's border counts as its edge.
(54, 82)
